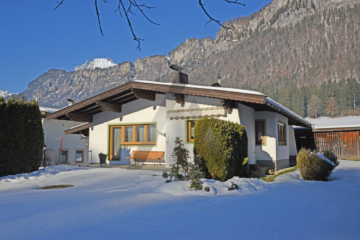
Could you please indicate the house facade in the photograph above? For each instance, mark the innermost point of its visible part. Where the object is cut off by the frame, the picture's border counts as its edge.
(148, 116)
(74, 147)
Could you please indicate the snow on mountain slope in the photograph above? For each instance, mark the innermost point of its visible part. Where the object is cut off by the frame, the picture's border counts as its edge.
(96, 63)
(4, 93)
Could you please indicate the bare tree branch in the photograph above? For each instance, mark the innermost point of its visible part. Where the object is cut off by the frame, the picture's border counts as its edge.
(132, 31)
(133, 3)
(236, 2)
(98, 16)
(59, 4)
(211, 19)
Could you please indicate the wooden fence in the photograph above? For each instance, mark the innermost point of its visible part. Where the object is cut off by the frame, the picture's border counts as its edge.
(343, 144)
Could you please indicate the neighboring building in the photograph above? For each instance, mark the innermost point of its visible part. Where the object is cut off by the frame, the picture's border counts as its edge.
(74, 147)
(148, 116)
(341, 135)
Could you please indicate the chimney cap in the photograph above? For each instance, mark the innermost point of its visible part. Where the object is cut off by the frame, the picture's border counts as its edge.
(176, 67)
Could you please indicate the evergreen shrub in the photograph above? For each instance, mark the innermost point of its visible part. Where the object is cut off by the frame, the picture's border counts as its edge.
(21, 137)
(222, 147)
(312, 167)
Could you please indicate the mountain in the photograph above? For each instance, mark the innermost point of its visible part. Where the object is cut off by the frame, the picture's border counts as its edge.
(286, 45)
(96, 63)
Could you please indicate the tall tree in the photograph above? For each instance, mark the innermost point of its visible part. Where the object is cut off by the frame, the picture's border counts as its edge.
(314, 106)
(332, 107)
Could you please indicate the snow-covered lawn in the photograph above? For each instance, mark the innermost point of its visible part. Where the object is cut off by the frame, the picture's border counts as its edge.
(125, 204)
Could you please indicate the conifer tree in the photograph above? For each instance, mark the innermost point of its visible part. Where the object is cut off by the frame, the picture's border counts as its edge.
(332, 108)
(314, 106)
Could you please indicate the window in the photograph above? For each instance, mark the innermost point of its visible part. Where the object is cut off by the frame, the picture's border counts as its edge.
(281, 133)
(190, 130)
(142, 134)
(64, 156)
(260, 132)
(79, 157)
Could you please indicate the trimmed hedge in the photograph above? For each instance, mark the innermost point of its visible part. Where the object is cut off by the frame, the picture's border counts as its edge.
(312, 167)
(21, 137)
(222, 147)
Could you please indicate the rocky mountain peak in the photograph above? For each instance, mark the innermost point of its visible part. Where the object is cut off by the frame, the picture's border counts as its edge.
(96, 63)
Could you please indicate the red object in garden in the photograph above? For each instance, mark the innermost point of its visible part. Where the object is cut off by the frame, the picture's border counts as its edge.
(60, 144)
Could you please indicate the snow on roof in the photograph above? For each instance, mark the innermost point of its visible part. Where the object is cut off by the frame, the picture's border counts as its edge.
(286, 111)
(203, 87)
(339, 122)
(48, 110)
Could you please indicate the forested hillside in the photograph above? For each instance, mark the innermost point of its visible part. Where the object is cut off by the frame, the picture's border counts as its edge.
(319, 56)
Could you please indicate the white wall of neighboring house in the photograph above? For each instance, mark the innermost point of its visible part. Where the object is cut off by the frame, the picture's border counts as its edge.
(53, 130)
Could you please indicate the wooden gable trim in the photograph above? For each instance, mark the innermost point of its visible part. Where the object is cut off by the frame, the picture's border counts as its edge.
(143, 94)
(109, 107)
(77, 129)
(78, 117)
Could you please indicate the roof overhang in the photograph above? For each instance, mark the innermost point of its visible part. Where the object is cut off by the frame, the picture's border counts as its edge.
(113, 99)
(81, 129)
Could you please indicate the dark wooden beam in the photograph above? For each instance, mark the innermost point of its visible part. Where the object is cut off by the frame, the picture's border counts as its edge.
(78, 117)
(144, 94)
(112, 100)
(227, 104)
(109, 107)
(179, 98)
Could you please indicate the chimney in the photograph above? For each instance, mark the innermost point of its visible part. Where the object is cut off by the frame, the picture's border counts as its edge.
(219, 79)
(218, 83)
(178, 76)
(70, 102)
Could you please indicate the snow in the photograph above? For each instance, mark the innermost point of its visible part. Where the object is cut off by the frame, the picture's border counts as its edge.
(5, 93)
(272, 102)
(96, 63)
(114, 203)
(339, 122)
(48, 110)
(202, 87)
(322, 157)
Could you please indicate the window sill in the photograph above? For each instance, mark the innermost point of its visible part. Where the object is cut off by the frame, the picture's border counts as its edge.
(139, 143)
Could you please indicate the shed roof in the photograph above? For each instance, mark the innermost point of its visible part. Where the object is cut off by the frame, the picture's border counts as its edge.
(335, 124)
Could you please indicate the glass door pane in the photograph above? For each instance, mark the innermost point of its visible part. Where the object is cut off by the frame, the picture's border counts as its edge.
(116, 142)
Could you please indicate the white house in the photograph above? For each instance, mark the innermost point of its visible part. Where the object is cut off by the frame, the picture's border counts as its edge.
(148, 116)
(74, 147)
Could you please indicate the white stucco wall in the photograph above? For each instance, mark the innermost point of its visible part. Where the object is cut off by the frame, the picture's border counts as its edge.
(177, 127)
(292, 142)
(136, 112)
(268, 150)
(247, 119)
(282, 151)
(53, 130)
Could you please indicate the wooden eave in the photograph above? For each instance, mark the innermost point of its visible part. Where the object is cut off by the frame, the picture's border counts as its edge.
(127, 93)
(130, 91)
(82, 129)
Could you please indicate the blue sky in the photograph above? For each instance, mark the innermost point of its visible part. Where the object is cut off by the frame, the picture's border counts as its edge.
(35, 38)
